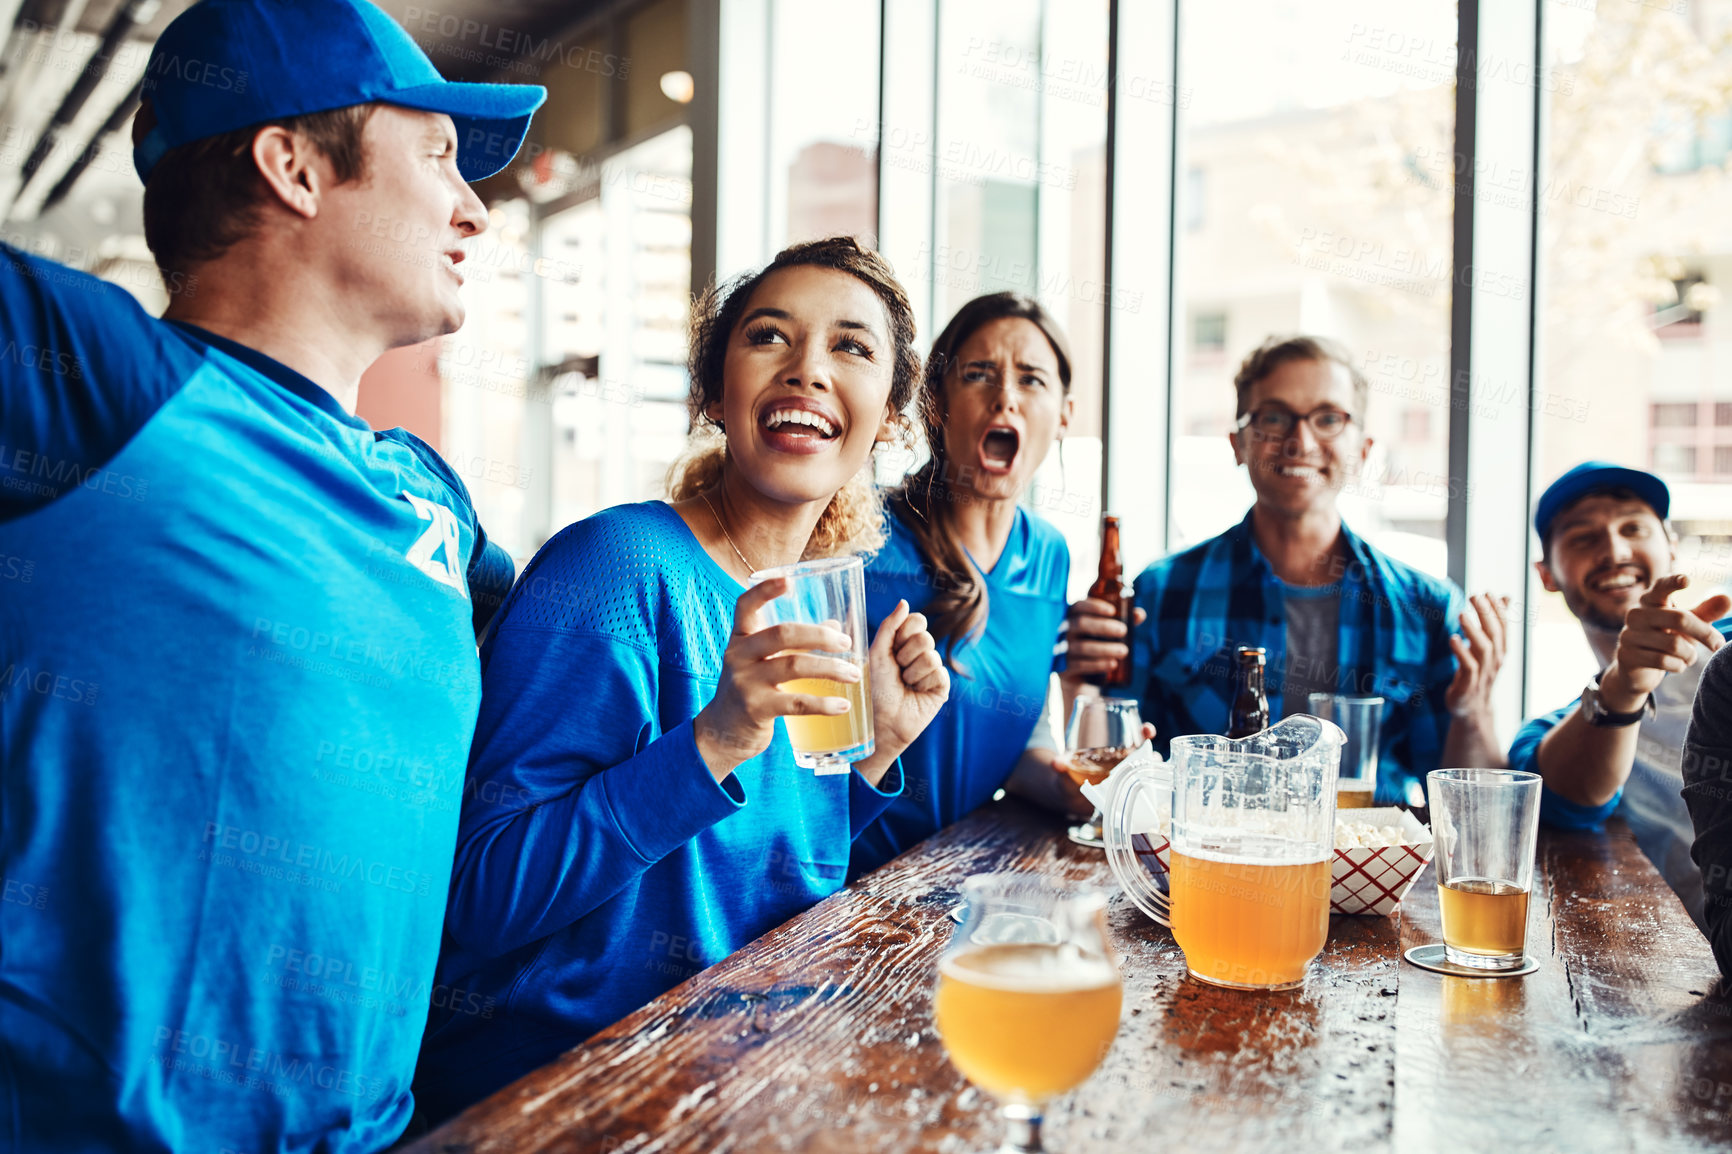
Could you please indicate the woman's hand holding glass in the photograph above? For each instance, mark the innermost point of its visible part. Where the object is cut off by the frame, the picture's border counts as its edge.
(740, 719)
(909, 685)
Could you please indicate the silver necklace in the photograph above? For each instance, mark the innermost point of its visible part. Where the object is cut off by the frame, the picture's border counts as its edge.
(723, 526)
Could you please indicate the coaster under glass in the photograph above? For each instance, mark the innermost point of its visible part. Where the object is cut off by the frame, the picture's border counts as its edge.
(1431, 957)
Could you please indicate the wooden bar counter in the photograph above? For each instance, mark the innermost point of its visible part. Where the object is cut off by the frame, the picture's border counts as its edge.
(818, 1036)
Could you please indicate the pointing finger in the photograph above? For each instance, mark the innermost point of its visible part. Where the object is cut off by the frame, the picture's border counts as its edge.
(1661, 591)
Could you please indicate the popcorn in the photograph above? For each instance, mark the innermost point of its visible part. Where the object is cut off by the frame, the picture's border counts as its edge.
(1378, 855)
(1360, 833)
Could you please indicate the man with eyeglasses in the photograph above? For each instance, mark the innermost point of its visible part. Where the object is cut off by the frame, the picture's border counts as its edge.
(1333, 614)
(1606, 546)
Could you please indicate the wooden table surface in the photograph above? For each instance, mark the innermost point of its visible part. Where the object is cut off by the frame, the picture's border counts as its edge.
(818, 1036)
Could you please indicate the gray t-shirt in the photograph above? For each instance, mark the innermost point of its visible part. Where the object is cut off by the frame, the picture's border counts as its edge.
(1653, 800)
(1313, 625)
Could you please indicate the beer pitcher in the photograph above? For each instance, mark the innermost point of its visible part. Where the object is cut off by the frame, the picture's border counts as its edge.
(1252, 836)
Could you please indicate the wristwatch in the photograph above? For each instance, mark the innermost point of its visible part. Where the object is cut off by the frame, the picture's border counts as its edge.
(1595, 713)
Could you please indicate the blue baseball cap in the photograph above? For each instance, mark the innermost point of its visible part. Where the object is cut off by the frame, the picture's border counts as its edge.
(1591, 475)
(226, 64)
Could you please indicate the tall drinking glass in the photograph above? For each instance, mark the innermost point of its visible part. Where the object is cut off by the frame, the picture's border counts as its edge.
(1253, 836)
(828, 592)
(1361, 719)
(1102, 732)
(1485, 823)
(1028, 994)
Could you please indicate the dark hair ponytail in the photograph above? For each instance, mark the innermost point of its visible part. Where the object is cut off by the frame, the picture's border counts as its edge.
(924, 501)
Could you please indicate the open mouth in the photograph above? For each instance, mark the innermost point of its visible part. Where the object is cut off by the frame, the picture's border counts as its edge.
(799, 427)
(1616, 581)
(998, 450)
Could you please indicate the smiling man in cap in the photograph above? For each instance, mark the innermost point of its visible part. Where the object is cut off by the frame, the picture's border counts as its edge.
(1606, 546)
(238, 676)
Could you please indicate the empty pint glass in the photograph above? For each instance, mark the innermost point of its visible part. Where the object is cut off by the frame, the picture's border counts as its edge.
(1485, 823)
(828, 592)
(1253, 835)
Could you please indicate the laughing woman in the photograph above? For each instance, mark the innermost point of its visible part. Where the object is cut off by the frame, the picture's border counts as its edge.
(987, 573)
(633, 810)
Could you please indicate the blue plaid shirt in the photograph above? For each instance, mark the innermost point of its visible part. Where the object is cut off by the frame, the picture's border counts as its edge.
(1393, 641)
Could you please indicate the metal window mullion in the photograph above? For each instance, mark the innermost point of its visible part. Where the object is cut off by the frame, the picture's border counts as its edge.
(1142, 187)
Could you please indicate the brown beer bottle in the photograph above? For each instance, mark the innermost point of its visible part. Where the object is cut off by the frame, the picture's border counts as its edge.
(1110, 587)
(1250, 705)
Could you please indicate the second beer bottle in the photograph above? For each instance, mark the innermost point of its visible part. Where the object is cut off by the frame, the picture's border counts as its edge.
(1250, 704)
(1110, 586)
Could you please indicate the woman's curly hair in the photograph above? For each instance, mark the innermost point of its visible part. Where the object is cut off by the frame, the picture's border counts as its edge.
(854, 520)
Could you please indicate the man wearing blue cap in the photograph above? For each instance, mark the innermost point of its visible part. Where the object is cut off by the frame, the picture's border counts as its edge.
(1606, 546)
(238, 675)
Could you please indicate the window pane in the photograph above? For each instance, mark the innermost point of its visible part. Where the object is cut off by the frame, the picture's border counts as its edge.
(1634, 338)
(1675, 416)
(1317, 199)
(487, 378)
(823, 104)
(987, 152)
(1679, 459)
(1020, 192)
(613, 336)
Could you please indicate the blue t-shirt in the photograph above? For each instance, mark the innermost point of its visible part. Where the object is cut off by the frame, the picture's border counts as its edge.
(974, 742)
(238, 682)
(599, 862)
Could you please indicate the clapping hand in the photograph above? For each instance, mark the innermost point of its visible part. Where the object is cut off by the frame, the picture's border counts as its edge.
(1479, 653)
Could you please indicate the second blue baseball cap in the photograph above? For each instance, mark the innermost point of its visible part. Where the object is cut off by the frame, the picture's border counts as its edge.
(227, 64)
(1591, 475)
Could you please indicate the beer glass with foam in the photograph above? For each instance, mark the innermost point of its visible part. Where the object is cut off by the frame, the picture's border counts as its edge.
(1253, 838)
(1361, 719)
(1028, 994)
(1485, 823)
(829, 592)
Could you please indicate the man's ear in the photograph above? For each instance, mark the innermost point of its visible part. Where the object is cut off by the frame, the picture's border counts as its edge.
(1233, 439)
(1546, 578)
(291, 167)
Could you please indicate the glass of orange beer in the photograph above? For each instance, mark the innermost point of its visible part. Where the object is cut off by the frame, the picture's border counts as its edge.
(1361, 719)
(1253, 836)
(1103, 731)
(1485, 823)
(832, 592)
(1028, 994)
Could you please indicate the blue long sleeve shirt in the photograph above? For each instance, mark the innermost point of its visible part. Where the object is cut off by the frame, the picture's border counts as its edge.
(238, 682)
(599, 863)
(969, 749)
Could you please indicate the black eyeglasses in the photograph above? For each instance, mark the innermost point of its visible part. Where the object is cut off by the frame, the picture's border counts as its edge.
(1277, 422)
